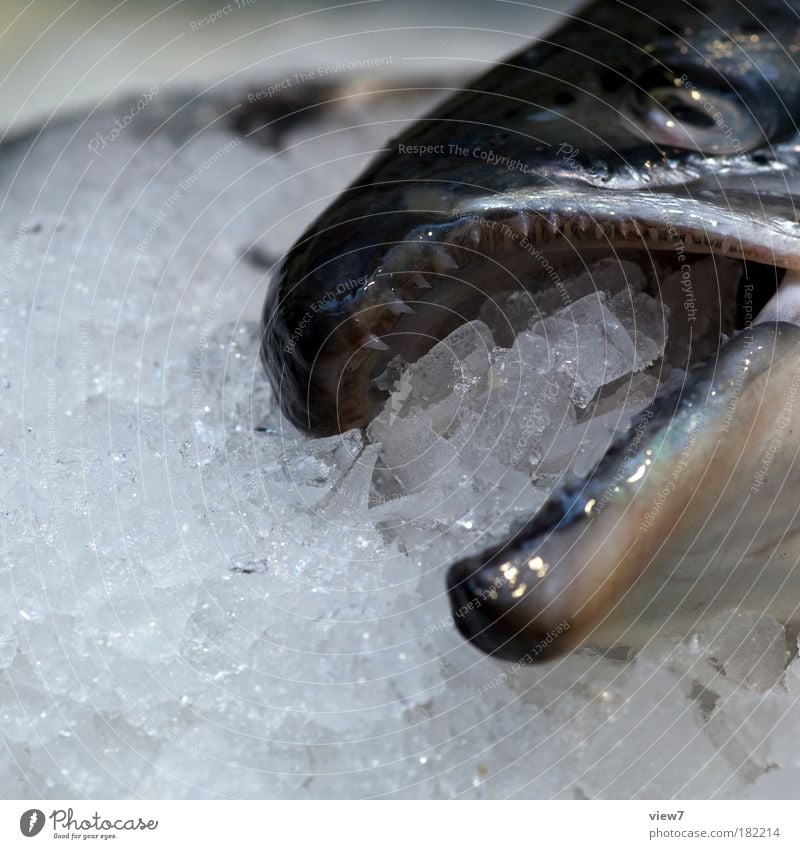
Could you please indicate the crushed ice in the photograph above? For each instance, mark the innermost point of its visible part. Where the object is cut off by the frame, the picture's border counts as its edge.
(195, 600)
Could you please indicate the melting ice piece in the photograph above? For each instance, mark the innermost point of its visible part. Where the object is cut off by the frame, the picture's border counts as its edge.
(646, 321)
(591, 359)
(524, 405)
(474, 435)
(456, 363)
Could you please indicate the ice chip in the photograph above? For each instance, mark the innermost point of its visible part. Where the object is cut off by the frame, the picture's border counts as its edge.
(646, 321)
(589, 344)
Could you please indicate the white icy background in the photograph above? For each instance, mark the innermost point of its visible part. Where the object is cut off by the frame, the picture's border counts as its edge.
(189, 608)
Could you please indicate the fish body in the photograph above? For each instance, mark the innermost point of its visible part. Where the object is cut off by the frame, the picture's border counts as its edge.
(666, 129)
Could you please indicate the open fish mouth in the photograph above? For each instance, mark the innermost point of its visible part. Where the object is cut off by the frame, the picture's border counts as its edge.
(613, 557)
(614, 156)
(442, 274)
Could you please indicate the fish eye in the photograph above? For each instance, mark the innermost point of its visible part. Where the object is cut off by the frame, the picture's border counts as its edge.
(681, 108)
(697, 117)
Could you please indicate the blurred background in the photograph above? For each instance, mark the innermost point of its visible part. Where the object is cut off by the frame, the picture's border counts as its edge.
(57, 55)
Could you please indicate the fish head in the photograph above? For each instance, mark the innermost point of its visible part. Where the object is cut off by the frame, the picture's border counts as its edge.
(627, 131)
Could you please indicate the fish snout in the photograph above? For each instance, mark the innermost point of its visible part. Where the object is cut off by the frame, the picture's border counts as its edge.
(500, 617)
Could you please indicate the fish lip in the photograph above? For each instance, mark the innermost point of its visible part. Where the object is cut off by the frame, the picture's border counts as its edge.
(485, 631)
(485, 624)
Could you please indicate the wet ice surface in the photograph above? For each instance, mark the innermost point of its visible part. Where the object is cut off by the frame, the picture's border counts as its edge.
(198, 601)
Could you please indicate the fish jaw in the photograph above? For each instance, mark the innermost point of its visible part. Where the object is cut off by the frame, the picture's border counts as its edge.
(331, 325)
(414, 248)
(660, 534)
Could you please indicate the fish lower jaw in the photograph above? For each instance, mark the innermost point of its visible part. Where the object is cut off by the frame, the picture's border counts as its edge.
(644, 547)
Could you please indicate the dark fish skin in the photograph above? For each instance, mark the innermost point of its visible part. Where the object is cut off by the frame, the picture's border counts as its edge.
(627, 129)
